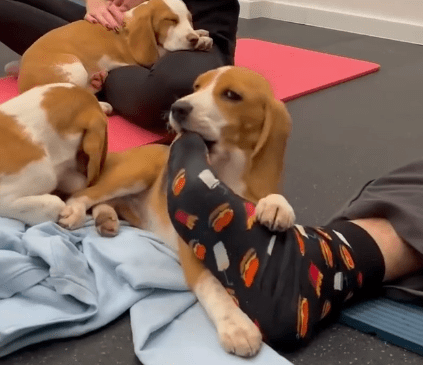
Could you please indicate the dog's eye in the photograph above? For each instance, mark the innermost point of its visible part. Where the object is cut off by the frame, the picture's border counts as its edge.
(196, 87)
(231, 95)
(171, 20)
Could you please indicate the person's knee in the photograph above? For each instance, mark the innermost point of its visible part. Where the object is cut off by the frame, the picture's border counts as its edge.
(145, 96)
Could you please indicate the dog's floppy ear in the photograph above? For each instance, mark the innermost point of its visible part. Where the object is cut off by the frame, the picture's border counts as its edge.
(141, 36)
(94, 146)
(267, 159)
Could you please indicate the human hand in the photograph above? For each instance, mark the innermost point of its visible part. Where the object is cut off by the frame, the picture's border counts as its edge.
(98, 12)
(124, 5)
(109, 13)
(118, 8)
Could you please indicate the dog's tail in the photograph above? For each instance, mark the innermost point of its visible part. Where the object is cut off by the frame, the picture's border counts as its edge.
(12, 68)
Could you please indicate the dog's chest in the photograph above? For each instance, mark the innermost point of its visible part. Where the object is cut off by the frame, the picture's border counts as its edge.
(230, 167)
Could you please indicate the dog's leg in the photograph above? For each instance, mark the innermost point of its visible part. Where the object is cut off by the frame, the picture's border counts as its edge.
(123, 174)
(12, 68)
(106, 220)
(34, 209)
(96, 81)
(275, 212)
(106, 107)
(237, 333)
(73, 215)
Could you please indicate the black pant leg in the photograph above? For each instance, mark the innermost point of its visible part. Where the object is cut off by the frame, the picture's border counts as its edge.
(220, 18)
(144, 96)
(65, 9)
(21, 24)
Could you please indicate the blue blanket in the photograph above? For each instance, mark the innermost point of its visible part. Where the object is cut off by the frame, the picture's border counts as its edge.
(56, 283)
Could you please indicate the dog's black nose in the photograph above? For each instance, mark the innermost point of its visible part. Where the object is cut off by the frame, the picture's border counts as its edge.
(180, 110)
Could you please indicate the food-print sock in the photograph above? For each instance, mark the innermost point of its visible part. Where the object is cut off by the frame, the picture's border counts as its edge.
(286, 282)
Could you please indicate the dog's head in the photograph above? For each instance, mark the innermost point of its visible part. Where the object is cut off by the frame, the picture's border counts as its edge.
(159, 23)
(234, 109)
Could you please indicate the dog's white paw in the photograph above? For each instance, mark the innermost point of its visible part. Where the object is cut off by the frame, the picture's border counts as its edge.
(49, 209)
(12, 68)
(72, 216)
(202, 33)
(239, 335)
(274, 212)
(204, 43)
(106, 107)
(106, 220)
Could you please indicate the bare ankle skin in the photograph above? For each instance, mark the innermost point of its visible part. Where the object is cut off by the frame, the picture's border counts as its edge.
(400, 258)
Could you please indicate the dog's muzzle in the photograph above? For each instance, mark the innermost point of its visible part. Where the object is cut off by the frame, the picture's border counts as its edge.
(180, 111)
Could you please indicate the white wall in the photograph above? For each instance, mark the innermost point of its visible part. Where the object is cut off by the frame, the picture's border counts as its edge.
(392, 19)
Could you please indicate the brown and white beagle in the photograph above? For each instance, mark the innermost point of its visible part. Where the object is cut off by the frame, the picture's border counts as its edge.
(234, 109)
(52, 138)
(82, 53)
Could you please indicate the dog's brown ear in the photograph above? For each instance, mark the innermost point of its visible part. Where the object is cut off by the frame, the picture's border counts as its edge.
(267, 159)
(141, 36)
(94, 146)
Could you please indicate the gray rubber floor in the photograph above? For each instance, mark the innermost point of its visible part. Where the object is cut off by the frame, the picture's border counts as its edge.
(342, 137)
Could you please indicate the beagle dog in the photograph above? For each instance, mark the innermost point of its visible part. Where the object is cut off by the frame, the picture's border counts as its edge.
(82, 53)
(52, 138)
(246, 128)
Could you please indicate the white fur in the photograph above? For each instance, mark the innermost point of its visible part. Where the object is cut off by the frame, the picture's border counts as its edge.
(237, 333)
(205, 118)
(25, 194)
(75, 73)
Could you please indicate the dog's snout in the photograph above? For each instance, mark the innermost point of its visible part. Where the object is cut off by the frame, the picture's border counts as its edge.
(180, 111)
(192, 39)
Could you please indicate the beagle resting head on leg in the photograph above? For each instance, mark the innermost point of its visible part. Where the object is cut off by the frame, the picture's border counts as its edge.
(83, 53)
(52, 138)
(234, 110)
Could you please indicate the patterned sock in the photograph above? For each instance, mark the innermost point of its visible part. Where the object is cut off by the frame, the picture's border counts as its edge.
(286, 282)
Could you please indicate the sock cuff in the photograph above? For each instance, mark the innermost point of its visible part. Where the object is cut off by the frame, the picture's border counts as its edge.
(367, 255)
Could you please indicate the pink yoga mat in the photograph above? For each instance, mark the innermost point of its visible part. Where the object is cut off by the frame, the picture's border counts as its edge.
(292, 72)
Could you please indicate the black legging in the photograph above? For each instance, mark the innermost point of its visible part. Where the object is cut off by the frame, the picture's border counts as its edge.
(141, 95)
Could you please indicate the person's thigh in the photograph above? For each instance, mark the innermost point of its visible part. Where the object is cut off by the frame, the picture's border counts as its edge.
(21, 24)
(144, 96)
(65, 9)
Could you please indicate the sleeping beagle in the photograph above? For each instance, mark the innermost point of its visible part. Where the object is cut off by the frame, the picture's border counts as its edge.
(234, 110)
(82, 53)
(52, 138)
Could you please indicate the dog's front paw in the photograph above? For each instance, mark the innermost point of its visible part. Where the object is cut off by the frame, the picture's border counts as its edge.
(275, 212)
(204, 43)
(106, 220)
(106, 107)
(50, 208)
(72, 216)
(239, 335)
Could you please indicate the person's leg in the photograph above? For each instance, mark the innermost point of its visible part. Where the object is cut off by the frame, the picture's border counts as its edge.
(220, 18)
(400, 258)
(286, 282)
(65, 9)
(144, 96)
(390, 209)
(21, 24)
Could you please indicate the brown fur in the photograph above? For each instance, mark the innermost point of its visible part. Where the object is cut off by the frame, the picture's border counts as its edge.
(81, 41)
(16, 148)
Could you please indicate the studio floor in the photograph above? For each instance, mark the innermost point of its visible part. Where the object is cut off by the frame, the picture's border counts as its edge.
(342, 137)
